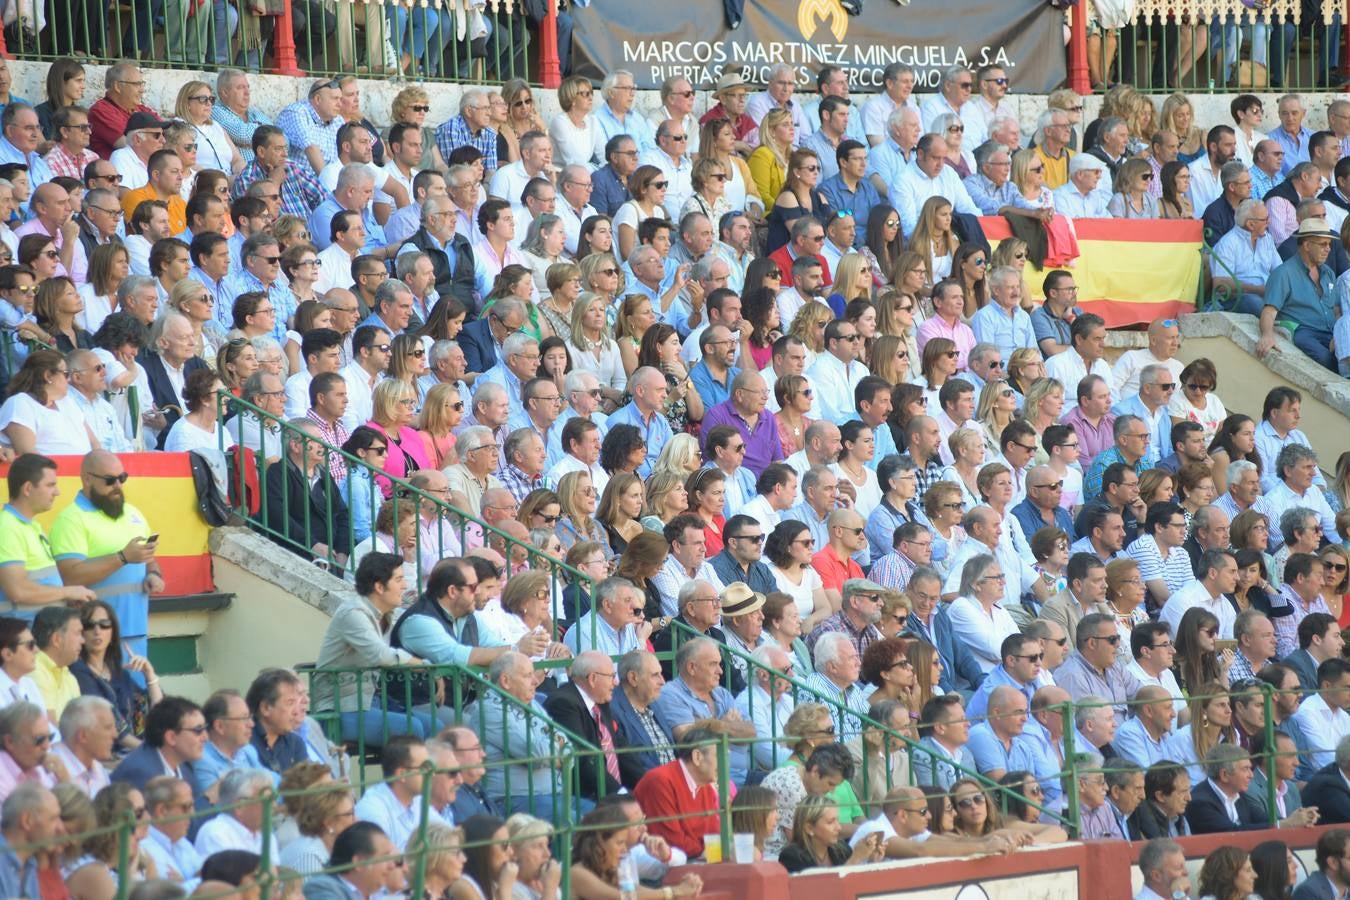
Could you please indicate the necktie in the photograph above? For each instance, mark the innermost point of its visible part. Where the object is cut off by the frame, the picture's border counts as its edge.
(606, 745)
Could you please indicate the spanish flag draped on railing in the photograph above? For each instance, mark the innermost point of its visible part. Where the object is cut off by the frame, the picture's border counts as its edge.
(1130, 270)
(161, 487)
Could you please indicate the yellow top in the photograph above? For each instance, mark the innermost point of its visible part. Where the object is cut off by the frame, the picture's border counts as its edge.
(57, 685)
(769, 176)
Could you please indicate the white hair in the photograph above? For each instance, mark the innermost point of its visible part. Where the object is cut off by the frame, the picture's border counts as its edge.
(829, 647)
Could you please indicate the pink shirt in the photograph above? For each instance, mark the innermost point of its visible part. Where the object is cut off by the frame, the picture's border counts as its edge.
(960, 334)
(79, 264)
(11, 776)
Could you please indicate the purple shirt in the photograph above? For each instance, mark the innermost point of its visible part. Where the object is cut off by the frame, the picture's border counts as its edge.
(1092, 440)
(762, 444)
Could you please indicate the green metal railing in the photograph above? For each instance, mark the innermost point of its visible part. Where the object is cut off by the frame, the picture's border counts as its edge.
(415, 40)
(1222, 45)
(274, 519)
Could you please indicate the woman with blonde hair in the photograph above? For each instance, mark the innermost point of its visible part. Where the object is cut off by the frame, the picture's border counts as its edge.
(577, 502)
(968, 454)
(442, 411)
(320, 817)
(769, 163)
(574, 131)
(890, 357)
(934, 240)
(408, 363)
(666, 499)
(995, 412)
(1071, 102)
(191, 298)
(1211, 724)
(410, 106)
(852, 280)
(620, 508)
(648, 186)
(635, 316)
(601, 274)
(393, 408)
(1025, 365)
(593, 350)
(1132, 199)
(717, 143)
(290, 231)
(444, 870)
(522, 116)
(1178, 117)
(1043, 406)
(1012, 252)
(1028, 175)
(562, 287)
(680, 456)
(215, 150)
(709, 180)
(898, 310)
(235, 362)
(809, 326)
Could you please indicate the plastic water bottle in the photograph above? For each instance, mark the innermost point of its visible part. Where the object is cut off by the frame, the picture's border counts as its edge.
(628, 877)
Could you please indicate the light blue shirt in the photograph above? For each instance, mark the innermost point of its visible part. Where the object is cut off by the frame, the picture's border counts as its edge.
(39, 172)
(825, 152)
(1269, 444)
(677, 706)
(990, 754)
(998, 676)
(500, 374)
(1159, 424)
(173, 858)
(1295, 148)
(709, 388)
(740, 489)
(768, 718)
(992, 325)
(655, 431)
(321, 225)
(1234, 256)
(915, 188)
(991, 199)
(1071, 202)
(852, 132)
(1292, 293)
(888, 160)
(861, 200)
(379, 805)
(426, 637)
(1133, 742)
(214, 765)
(884, 443)
(634, 125)
(607, 639)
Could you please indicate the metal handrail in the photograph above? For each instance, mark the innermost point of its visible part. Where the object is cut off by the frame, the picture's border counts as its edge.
(402, 491)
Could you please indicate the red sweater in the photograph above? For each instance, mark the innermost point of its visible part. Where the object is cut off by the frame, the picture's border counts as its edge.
(784, 260)
(664, 791)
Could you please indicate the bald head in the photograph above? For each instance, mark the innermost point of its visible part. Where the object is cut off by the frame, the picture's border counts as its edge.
(100, 461)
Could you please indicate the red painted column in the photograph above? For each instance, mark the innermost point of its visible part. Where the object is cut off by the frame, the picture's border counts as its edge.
(4, 51)
(283, 38)
(1079, 79)
(550, 71)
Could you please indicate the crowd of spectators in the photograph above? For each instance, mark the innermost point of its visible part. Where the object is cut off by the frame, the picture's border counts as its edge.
(841, 491)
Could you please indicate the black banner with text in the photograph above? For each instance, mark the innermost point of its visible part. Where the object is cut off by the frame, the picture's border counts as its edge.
(691, 39)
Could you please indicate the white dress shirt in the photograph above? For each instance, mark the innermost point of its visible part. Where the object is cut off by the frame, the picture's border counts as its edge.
(834, 385)
(1069, 368)
(1323, 727)
(1196, 594)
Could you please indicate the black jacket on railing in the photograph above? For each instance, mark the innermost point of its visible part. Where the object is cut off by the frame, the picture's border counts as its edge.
(300, 520)
(567, 707)
(456, 281)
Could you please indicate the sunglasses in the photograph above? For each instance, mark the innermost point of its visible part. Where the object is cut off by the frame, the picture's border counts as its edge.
(110, 480)
(421, 107)
(100, 624)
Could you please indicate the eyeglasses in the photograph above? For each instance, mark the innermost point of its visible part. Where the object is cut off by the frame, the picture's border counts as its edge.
(1111, 639)
(1054, 486)
(115, 178)
(1001, 82)
(810, 168)
(110, 480)
(972, 800)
